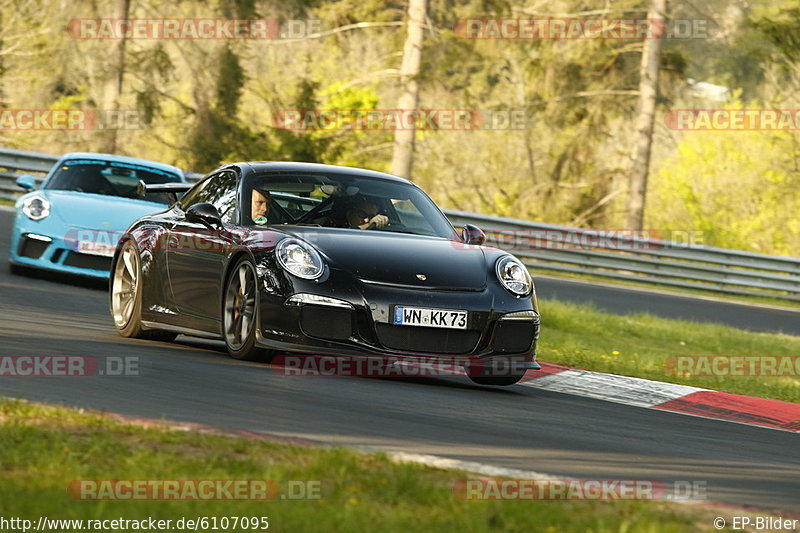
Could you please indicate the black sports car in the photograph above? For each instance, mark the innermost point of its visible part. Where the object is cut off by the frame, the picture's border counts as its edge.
(298, 257)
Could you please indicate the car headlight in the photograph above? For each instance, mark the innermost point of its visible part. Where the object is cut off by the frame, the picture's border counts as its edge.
(514, 276)
(36, 207)
(299, 258)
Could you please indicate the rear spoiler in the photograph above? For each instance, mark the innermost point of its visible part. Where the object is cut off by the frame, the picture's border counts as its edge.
(175, 188)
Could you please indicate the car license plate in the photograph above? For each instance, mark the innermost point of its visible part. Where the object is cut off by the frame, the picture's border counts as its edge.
(432, 318)
(96, 248)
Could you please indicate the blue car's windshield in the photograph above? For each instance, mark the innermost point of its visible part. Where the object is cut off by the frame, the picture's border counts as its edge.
(110, 178)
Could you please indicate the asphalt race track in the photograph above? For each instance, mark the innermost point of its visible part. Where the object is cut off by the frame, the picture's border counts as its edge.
(627, 300)
(518, 427)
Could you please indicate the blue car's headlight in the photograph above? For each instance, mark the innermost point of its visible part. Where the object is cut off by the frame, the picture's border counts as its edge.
(513, 275)
(299, 258)
(36, 207)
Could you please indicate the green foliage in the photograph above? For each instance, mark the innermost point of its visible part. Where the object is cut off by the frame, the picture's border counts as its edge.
(204, 102)
(738, 187)
(230, 82)
(302, 145)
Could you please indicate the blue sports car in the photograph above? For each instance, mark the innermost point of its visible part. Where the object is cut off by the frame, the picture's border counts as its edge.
(72, 224)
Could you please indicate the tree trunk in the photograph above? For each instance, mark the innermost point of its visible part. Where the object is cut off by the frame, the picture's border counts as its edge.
(113, 88)
(403, 154)
(2, 68)
(648, 91)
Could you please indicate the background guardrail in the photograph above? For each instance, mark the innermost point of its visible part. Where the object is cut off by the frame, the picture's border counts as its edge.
(550, 247)
(16, 162)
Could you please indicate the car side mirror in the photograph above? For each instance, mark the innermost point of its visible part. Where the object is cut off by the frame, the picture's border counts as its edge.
(26, 181)
(204, 213)
(473, 235)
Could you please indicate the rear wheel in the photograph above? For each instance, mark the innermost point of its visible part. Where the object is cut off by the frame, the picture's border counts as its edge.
(239, 312)
(126, 297)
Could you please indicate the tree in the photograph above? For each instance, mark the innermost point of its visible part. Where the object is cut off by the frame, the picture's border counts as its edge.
(403, 155)
(648, 92)
(113, 87)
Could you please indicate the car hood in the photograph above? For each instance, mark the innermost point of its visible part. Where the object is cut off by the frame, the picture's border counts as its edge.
(398, 258)
(98, 211)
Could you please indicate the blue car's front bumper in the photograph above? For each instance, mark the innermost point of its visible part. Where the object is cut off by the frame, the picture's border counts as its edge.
(48, 244)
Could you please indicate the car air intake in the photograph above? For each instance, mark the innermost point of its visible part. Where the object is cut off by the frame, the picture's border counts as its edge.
(92, 262)
(32, 248)
(514, 336)
(427, 340)
(326, 322)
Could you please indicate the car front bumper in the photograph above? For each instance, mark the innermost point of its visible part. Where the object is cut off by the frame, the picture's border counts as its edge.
(44, 244)
(356, 321)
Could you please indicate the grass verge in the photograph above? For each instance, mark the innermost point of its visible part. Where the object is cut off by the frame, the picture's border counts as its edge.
(639, 345)
(44, 448)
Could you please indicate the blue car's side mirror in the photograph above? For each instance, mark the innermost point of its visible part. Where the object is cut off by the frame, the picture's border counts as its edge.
(27, 182)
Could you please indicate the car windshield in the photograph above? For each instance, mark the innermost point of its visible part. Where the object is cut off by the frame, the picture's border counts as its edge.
(345, 201)
(110, 178)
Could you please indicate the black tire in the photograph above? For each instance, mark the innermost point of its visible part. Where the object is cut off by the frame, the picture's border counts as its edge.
(125, 297)
(240, 302)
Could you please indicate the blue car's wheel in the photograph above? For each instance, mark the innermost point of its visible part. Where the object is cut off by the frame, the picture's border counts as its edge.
(126, 296)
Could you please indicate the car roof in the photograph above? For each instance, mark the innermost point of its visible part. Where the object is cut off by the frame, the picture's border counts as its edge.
(286, 166)
(122, 159)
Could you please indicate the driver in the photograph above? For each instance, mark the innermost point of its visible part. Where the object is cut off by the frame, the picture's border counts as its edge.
(363, 214)
(259, 206)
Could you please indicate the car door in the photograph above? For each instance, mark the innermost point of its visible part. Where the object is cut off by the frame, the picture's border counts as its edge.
(196, 253)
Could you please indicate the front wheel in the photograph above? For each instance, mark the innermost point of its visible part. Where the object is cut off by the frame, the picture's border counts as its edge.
(239, 312)
(126, 297)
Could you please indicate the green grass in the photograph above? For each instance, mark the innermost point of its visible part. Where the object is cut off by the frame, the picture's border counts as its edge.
(639, 345)
(646, 284)
(44, 448)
